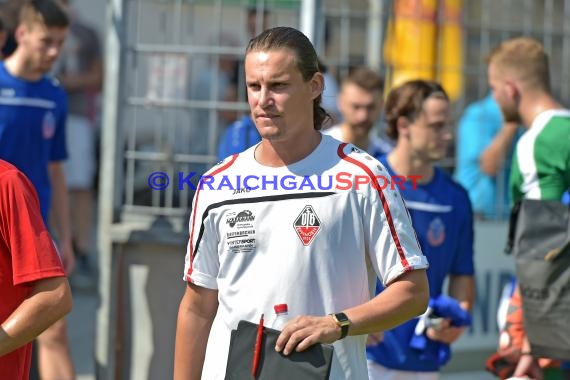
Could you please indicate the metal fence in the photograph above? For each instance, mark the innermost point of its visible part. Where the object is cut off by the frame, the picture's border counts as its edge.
(171, 63)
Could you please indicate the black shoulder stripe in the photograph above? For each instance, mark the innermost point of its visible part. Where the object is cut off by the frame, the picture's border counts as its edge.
(269, 198)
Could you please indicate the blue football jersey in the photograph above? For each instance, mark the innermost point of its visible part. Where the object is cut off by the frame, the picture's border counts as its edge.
(239, 136)
(32, 128)
(442, 217)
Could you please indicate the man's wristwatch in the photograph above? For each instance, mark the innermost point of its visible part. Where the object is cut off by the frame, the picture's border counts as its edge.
(343, 322)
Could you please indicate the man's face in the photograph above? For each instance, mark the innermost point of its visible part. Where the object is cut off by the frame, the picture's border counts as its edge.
(360, 109)
(41, 45)
(503, 93)
(278, 97)
(429, 135)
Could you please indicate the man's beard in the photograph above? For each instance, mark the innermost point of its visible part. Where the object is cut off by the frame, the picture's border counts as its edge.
(361, 128)
(511, 116)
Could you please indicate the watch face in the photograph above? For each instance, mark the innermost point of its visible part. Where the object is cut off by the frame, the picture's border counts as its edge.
(343, 322)
(342, 318)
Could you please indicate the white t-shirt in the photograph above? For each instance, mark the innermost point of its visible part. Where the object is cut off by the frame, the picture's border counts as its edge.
(317, 250)
(376, 148)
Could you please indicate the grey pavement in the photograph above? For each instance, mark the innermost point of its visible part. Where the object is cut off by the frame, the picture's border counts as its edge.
(479, 375)
(81, 321)
(81, 330)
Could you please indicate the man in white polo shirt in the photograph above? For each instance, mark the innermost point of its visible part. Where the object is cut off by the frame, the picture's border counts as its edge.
(317, 249)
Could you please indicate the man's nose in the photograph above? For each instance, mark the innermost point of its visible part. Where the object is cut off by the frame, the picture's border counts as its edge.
(53, 51)
(362, 114)
(446, 134)
(264, 97)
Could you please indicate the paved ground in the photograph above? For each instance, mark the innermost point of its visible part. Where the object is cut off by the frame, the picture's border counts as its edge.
(468, 376)
(82, 332)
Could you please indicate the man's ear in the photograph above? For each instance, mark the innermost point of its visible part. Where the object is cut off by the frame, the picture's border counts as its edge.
(3, 38)
(317, 85)
(512, 90)
(340, 101)
(403, 124)
(20, 31)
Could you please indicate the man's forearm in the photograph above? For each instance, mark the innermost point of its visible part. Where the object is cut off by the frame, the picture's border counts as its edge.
(191, 338)
(60, 202)
(462, 288)
(493, 156)
(49, 301)
(195, 316)
(406, 298)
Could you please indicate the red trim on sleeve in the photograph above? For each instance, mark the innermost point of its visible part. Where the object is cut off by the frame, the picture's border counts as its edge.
(217, 171)
(385, 205)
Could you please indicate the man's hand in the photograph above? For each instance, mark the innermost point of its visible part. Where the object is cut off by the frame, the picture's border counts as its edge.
(445, 333)
(528, 366)
(374, 338)
(302, 332)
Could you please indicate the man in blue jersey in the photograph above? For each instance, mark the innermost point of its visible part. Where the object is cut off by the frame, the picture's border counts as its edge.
(417, 114)
(239, 136)
(360, 104)
(33, 109)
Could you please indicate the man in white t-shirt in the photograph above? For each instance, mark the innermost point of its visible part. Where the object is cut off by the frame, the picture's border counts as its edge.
(360, 104)
(276, 225)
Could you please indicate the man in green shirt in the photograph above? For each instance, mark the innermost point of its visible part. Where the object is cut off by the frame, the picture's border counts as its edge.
(519, 77)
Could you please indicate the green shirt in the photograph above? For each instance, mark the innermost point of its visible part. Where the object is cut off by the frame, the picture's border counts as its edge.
(541, 165)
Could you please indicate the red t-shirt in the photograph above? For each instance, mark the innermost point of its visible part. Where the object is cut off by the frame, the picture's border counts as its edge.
(27, 254)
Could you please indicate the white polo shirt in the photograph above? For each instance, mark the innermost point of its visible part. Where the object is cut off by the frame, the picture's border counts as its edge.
(316, 249)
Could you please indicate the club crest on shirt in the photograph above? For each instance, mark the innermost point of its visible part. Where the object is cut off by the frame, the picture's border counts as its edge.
(48, 125)
(436, 232)
(307, 225)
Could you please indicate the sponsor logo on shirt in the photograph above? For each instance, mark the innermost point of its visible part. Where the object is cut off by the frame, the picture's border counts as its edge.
(436, 232)
(241, 191)
(241, 237)
(243, 216)
(307, 225)
(8, 92)
(48, 125)
(244, 245)
(356, 150)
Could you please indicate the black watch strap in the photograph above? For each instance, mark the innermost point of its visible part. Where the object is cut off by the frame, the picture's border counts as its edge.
(343, 322)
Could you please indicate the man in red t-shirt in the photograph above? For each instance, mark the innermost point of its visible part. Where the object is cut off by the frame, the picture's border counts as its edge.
(33, 287)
